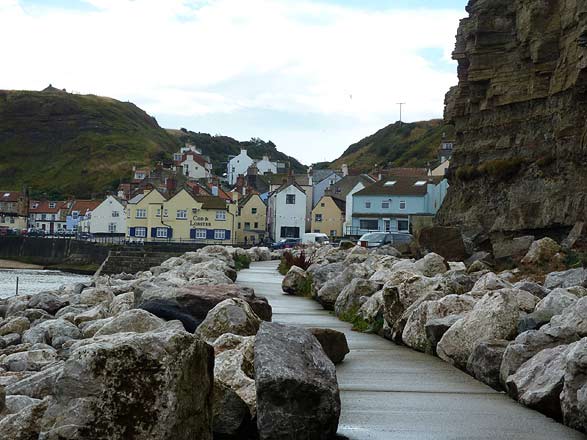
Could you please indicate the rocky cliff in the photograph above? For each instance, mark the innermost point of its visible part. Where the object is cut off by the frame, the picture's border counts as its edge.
(519, 113)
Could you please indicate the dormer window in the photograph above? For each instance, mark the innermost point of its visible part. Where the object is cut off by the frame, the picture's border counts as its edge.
(52, 204)
(35, 205)
(420, 183)
(389, 183)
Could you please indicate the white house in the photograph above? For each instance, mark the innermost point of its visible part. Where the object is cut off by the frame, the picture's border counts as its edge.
(265, 166)
(348, 217)
(238, 165)
(194, 166)
(107, 218)
(286, 212)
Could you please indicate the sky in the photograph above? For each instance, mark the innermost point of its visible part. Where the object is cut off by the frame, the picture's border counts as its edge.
(313, 76)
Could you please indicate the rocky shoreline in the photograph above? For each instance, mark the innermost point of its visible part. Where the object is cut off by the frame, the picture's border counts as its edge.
(517, 334)
(177, 352)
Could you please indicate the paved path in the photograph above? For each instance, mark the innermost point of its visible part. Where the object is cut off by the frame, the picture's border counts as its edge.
(390, 392)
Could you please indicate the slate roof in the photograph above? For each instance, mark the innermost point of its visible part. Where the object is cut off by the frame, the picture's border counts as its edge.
(344, 186)
(43, 206)
(403, 186)
(83, 206)
(9, 196)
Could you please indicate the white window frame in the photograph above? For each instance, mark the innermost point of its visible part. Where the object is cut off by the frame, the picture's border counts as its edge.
(289, 197)
(385, 204)
(115, 214)
(162, 233)
(141, 232)
(201, 234)
(402, 204)
(318, 218)
(112, 228)
(220, 216)
(368, 205)
(141, 213)
(182, 214)
(219, 234)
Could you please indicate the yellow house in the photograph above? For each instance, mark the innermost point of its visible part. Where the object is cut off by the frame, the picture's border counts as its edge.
(251, 220)
(183, 217)
(328, 216)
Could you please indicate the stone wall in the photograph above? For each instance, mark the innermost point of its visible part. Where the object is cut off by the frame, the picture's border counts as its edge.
(520, 117)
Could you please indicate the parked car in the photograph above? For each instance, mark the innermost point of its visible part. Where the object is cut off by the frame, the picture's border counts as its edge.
(378, 239)
(34, 232)
(84, 236)
(315, 238)
(286, 243)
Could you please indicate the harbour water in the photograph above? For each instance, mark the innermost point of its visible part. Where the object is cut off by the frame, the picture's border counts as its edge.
(31, 281)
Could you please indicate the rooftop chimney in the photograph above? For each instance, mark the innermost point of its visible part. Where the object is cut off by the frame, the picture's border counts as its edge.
(215, 190)
(345, 170)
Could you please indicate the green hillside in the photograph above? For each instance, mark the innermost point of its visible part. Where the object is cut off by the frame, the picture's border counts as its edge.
(220, 147)
(62, 143)
(411, 144)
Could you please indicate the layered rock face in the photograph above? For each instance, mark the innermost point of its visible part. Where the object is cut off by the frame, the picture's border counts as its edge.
(520, 117)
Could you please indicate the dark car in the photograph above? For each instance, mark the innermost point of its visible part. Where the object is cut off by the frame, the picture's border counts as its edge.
(34, 232)
(286, 243)
(378, 239)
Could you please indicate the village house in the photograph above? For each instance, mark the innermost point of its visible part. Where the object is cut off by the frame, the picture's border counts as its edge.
(251, 219)
(48, 215)
(13, 209)
(184, 217)
(287, 211)
(304, 181)
(322, 180)
(239, 166)
(192, 164)
(78, 211)
(328, 216)
(394, 202)
(108, 218)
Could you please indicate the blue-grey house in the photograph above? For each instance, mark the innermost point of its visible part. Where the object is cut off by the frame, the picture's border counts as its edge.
(391, 203)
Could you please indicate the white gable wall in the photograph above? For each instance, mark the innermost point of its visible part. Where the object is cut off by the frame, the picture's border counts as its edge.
(104, 215)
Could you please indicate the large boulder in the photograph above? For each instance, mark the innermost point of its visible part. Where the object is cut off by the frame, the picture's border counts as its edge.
(538, 383)
(38, 385)
(555, 302)
(24, 424)
(155, 385)
(330, 291)
(431, 264)
(18, 324)
(515, 248)
(490, 281)
(296, 281)
(321, 273)
(170, 310)
(234, 367)
(495, 316)
(541, 251)
(485, 361)
(445, 241)
(333, 342)
(567, 278)
(437, 327)
(30, 360)
(198, 300)
(136, 320)
(574, 394)
(234, 316)
(414, 333)
(297, 390)
(54, 332)
(47, 301)
(232, 417)
(349, 301)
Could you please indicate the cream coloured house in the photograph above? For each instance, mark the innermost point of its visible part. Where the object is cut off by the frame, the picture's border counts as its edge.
(328, 216)
(251, 220)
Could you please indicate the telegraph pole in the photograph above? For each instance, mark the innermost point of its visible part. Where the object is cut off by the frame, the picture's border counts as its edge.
(401, 104)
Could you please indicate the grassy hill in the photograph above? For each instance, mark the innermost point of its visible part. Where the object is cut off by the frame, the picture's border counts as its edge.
(220, 147)
(411, 144)
(61, 143)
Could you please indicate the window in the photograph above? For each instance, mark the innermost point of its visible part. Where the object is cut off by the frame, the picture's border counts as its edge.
(402, 204)
(161, 232)
(369, 225)
(140, 232)
(290, 199)
(200, 234)
(253, 210)
(141, 213)
(247, 225)
(290, 232)
(318, 217)
(385, 205)
(74, 214)
(43, 216)
(221, 215)
(367, 205)
(165, 213)
(239, 225)
(322, 205)
(35, 205)
(389, 183)
(403, 225)
(52, 204)
(158, 214)
(256, 225)
(128, 213)
(182, 214)
(420, 183)
(233, 169)
(112, 228)
(219, 234)
(177, 156)
(115, 214)
(316, 231)
(333, 232)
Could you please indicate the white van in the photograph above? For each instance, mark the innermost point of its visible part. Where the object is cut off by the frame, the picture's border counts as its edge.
(315, 238)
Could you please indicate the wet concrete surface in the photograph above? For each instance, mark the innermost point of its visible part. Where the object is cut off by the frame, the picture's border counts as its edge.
(390, 392)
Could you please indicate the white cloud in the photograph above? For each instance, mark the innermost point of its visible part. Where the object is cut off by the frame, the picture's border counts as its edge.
(190, 58)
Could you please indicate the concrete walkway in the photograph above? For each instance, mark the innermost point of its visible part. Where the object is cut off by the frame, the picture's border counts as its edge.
(390, 392)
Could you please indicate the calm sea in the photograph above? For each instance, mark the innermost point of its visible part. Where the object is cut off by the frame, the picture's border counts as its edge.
(32, 281)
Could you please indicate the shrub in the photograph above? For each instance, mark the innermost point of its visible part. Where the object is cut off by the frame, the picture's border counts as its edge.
(241, 261)
(576, 259)
(288, 260)
(502, 168)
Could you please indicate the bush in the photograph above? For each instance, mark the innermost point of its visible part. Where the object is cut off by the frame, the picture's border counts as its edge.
(288, 260)
(241, 261)
(576, 259)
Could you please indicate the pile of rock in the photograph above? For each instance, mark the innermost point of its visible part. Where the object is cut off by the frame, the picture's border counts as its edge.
(170, 353)
(526, 338)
